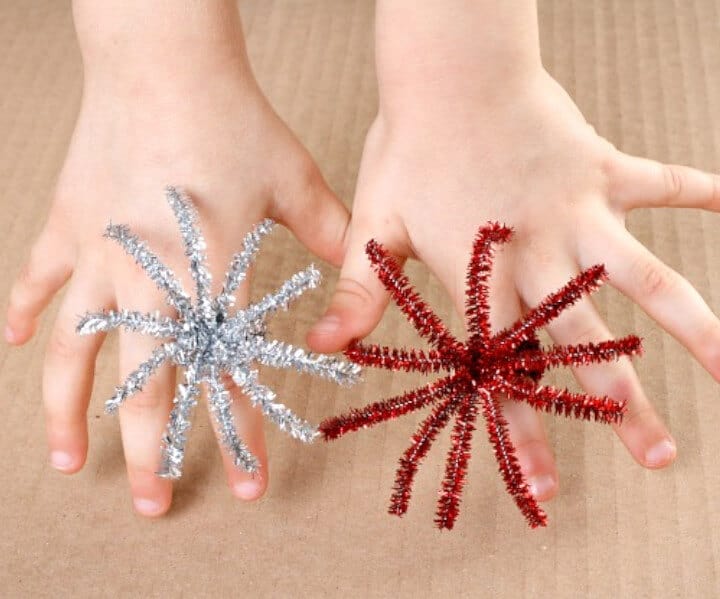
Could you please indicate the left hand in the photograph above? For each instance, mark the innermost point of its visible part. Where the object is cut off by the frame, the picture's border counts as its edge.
(435, 171)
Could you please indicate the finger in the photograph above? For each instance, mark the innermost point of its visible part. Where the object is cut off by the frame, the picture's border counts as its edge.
(643, 183)
(315, 215)
(249, 424)
(525, 426)
(68, 375)
(46, 271)
(664, 294)
(144, 415)
(358, 301)
(642, 432)
(532, 450)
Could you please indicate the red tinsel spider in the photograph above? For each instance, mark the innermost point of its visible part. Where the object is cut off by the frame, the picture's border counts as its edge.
(479, 371)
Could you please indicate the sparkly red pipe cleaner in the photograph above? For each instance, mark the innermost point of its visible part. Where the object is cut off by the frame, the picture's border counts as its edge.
(481, 371)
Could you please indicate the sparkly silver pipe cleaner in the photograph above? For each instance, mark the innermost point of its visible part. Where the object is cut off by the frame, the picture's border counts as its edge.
(206, 341)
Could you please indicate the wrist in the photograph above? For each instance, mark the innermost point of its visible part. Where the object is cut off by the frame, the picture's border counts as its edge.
(453, 55)
(131, 48)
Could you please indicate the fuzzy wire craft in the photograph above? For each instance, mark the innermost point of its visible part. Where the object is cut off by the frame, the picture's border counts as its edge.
(207, 340)
(479, 371)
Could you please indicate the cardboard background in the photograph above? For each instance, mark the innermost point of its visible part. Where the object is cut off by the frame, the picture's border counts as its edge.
(646, 74)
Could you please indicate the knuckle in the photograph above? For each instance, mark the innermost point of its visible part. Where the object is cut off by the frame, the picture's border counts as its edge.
(23, 283)
(654, 278)
(17, 310)
(152, 396)
(637, 416)
(39, 251)
(134, 277)
(614, 173)
(580, 329)
(592, 333)
(715, 193)
(307, 173)
(611, 167)
(297, 186)
(638, 411)
(64, 344)
(534, 448)
(622, 389)
(707, 344)
(673, 181)
(39, 274)
(302, 177)
(65, 420)
(348, 289)
(537, 255)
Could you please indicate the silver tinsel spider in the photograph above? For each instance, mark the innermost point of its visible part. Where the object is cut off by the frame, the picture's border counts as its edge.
(206, 340)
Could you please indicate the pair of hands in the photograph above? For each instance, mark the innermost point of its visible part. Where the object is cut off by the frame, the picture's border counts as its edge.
(430, 175)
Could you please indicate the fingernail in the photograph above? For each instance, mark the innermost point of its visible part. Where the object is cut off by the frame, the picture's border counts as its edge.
(327, 325)
(660, 454)
(541, 486)
(9, 334)
(61, 460)
(147, 507)
(247, 490)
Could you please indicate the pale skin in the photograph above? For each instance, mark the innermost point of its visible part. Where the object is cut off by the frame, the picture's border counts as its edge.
(470, 128)
(206, 127)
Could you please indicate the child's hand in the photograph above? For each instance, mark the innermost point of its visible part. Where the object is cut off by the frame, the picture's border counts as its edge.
(451, 153)
(204, 125)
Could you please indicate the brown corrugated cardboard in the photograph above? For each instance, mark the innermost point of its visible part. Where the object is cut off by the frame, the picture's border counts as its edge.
(647, 74)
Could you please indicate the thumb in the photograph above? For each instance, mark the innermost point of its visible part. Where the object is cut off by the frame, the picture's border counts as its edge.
(315, 215)
(357, 304)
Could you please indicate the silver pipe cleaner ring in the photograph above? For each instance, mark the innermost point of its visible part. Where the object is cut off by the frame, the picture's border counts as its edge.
(208, 343)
